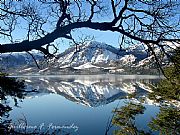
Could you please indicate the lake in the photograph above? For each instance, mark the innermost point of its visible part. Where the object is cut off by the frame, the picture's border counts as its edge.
(80, 104)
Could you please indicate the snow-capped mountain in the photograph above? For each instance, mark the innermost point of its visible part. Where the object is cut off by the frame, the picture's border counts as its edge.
(17, 60)
(96, 57)
(91, 90)
(98, 53)
(93, 57)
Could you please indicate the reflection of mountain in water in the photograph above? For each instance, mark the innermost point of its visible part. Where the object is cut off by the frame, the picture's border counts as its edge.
(90, 91)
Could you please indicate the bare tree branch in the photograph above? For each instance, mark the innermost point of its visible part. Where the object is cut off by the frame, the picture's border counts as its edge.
(147, 22)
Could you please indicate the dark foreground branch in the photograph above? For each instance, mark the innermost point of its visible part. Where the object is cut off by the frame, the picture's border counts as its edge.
(63, 31)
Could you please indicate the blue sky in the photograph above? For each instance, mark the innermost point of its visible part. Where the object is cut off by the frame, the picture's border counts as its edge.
(111, 38)
(107, 37)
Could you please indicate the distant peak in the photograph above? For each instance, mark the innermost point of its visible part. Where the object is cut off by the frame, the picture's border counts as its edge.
(97, 44)
(93, 43)
(136, 47)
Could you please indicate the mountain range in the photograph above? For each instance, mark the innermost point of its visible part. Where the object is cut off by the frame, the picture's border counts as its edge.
(92, 58)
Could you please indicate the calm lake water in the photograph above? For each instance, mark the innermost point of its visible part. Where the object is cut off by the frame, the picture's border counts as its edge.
(80, 104)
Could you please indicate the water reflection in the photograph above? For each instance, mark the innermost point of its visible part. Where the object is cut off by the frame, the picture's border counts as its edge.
(91, 91)
(15, 89)
(82, 101)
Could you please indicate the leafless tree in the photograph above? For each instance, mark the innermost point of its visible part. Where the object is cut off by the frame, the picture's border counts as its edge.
(151, 22)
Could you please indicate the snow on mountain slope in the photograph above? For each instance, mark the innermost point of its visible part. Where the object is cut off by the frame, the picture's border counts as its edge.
(14, 60)
(136, 48)
(144, 62)
(128, 59)
(86, 65)
(93, 52)
(96, 53)
(93, 57)
(169, 47)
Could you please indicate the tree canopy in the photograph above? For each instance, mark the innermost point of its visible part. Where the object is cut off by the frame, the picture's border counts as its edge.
(36, 24)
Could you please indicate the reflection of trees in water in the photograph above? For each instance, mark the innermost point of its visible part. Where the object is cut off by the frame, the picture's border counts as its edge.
(11, 87)
(166, 122)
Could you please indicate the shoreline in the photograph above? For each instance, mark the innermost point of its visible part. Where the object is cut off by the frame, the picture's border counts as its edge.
(97, 76)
